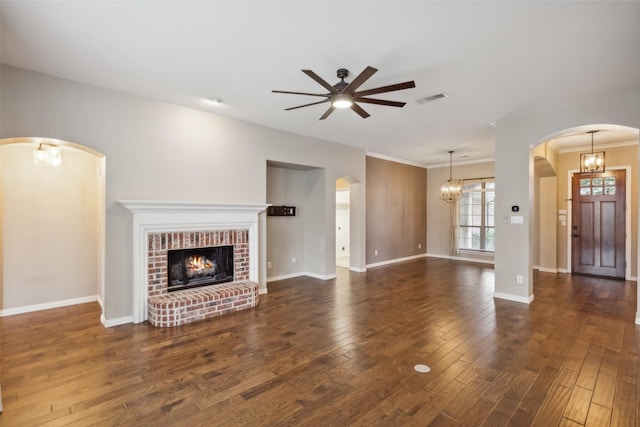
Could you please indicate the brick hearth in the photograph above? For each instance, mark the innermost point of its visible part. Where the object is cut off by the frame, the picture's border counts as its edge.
(188, 305)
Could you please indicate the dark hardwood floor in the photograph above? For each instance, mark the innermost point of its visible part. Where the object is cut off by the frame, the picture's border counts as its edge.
(341, 353)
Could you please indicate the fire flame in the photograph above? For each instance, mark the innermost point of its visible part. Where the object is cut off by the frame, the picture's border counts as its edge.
(198, 263)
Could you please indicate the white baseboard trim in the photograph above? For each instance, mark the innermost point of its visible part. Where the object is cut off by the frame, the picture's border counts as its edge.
(115, 322)
(262, 291)
(306, 273)
(284, 276)
(396, 260)
(460, 258)
(637, 317)
(358, 269)
(545, 269)
(563, 270)
(632, 278)
(47, 305)
(511, 297)
(320, 276)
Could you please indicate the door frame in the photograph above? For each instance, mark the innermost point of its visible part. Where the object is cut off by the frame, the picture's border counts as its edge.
(627, 219)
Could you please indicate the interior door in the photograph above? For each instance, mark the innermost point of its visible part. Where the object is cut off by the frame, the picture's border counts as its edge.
(598, 224)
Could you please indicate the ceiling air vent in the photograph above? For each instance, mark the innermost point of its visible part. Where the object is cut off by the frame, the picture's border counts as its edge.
(431, 98)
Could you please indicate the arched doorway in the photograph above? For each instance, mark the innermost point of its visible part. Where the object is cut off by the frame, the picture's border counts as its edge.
(342, 223)
(52, 203)
(562, 151)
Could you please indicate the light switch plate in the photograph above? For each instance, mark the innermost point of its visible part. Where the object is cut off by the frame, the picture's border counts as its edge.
(517, 219)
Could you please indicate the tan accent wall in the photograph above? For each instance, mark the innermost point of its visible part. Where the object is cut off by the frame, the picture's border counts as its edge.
(396, 210)
(618, 156)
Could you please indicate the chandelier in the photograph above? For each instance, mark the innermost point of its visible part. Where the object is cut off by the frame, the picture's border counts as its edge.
(592, 162)
(451, 190)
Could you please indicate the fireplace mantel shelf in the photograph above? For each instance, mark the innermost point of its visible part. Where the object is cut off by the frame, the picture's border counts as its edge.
(155, 206)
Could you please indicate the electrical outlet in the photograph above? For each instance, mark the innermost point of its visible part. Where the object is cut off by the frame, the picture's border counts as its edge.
(293, 260)
(268, 264)
(375, 253)
(519, 279)
(419, 245)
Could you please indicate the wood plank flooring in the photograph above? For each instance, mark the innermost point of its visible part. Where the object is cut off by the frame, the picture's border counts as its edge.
(340, 353)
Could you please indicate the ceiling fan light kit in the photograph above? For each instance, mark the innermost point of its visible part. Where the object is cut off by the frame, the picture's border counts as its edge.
(346, 95)
(342, 101)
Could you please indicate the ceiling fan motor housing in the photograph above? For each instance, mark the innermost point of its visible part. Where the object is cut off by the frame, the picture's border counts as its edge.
(342, 73)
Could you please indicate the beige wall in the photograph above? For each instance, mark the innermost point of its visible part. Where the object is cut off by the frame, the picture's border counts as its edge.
(51, 230)
(547, 224)
(396, 210)
(618, 156)
(438, 211)
(285, 235)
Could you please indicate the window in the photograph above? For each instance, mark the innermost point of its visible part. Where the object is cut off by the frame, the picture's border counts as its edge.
(477, 228)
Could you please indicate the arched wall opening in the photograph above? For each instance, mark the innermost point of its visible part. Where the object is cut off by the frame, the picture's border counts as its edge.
(515, 138)
(52, 248)
(342, 223)
(552, 191)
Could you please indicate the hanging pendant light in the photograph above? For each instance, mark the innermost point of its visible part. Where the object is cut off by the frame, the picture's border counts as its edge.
(592, 162)
(451, 191)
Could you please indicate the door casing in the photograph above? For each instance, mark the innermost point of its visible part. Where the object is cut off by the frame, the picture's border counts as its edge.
(627, 214)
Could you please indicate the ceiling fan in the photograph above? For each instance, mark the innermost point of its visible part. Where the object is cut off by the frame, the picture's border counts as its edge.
(346, 95)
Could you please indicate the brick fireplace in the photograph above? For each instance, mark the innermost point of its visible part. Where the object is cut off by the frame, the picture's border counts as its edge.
(162, 226)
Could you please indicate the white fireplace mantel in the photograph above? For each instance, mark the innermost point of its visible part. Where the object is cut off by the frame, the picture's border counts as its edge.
(151, 216)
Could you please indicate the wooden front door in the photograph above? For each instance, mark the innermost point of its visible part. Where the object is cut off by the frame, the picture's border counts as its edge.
(598, 224)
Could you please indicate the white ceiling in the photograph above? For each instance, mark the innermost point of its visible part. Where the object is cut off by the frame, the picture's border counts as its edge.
(494, 60)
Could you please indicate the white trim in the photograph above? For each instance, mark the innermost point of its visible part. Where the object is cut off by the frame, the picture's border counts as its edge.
(115, 322)
(598, 147)
(358, 269)
(563, 270)
(284, 276)
(627, 237)
(395, 159)
(459, 258)
(152, 216)
(511, 297)
(301, 274)
(545, 269)
(393, 261)
(47, 305)
(637, 317)
(466, 162)
(632, 279)
(321, 276)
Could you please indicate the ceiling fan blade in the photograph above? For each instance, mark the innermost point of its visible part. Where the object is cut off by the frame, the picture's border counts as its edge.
(390, 88)
(326, 113)
(381, 102)
(362, 77)
(301, 93)
(307, 105)
(318, 79)
(355, 107)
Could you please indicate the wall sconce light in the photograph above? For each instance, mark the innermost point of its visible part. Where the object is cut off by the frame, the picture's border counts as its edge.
(592, 162)
(47, 155)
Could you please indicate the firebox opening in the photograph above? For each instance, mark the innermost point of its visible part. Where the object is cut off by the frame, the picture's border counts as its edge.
(190, 268)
